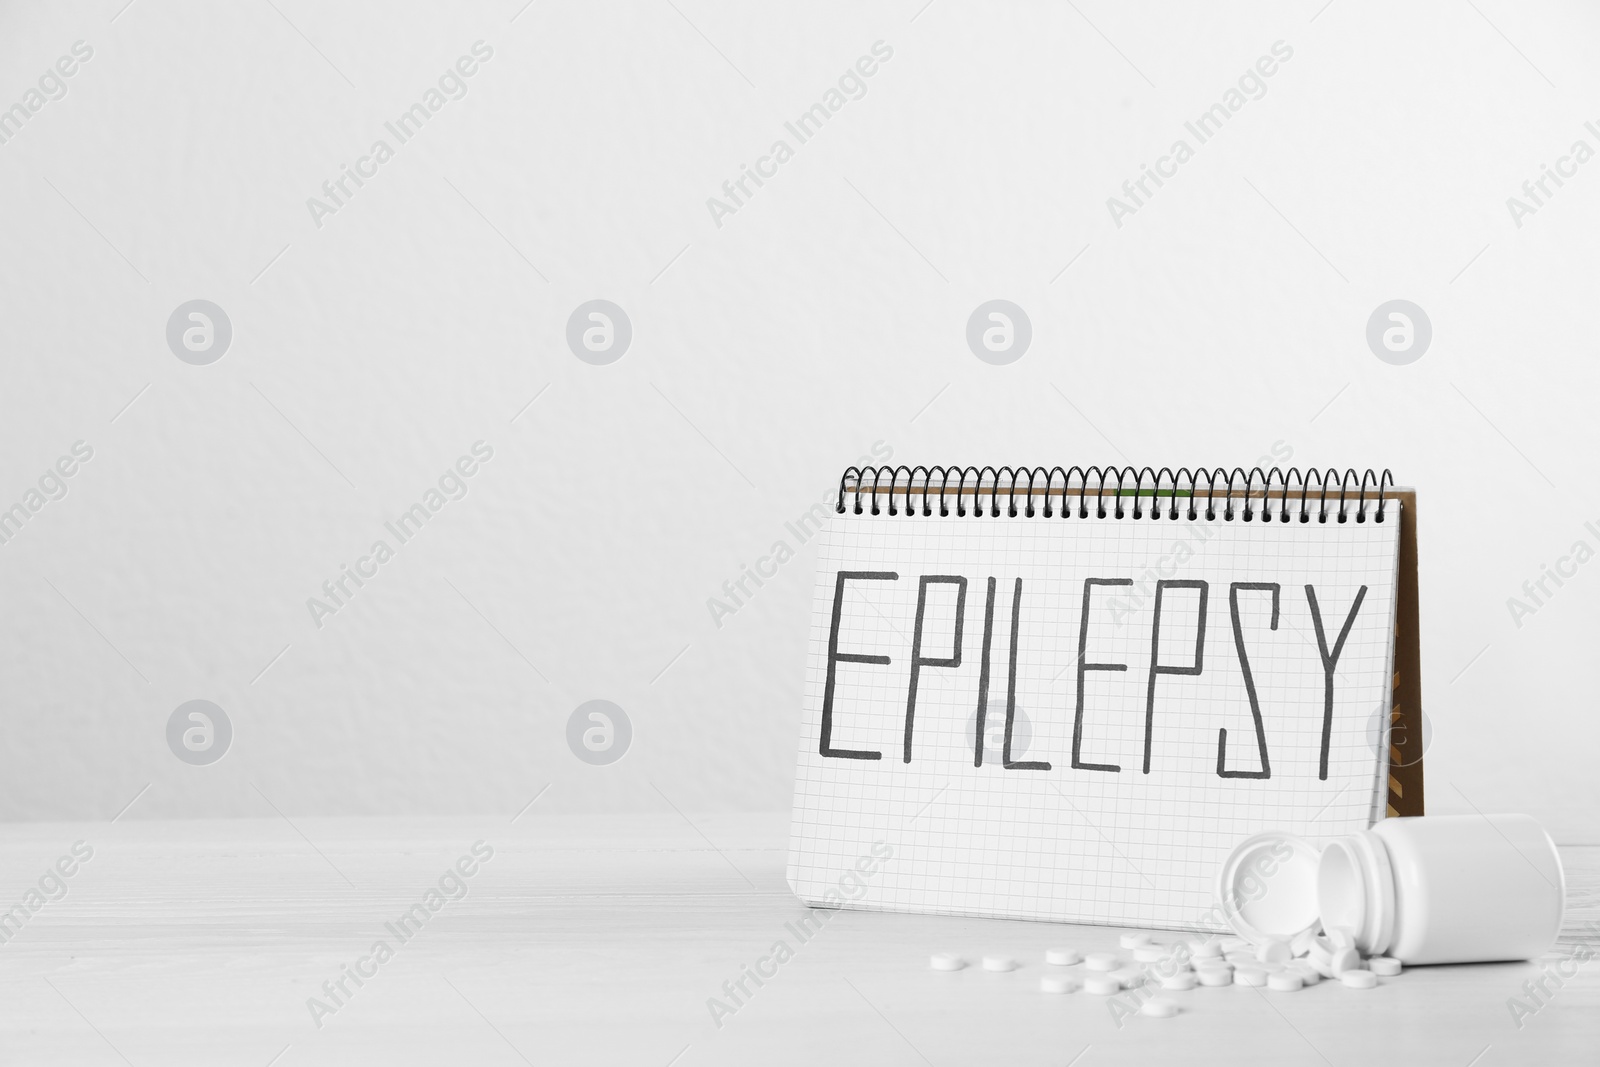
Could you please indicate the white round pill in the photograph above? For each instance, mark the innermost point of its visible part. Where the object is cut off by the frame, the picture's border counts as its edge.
(1213, 965)
(946, 961)
(1059, 983)
(1383, 966)
(1301, 943)
(1183, 980)
(1216, 976)
(1286, 982)
(1359, 979)
(1102, 961)
(1063, 957)
(1133, 940)
(1159, 1008)
(1209, 949)
(1306, 973)
(1101, 985)
(999, 963)
(1130, 977)
(1251, 976)
(1344, 959)
(1275, 952)
(1339, 937)
(1149, 954)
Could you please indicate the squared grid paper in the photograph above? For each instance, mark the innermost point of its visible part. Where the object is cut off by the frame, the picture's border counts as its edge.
(1079, 845)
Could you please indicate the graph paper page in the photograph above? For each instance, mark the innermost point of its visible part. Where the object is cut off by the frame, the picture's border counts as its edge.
(1132, 829)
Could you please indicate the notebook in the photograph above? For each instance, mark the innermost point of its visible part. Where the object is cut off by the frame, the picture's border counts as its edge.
(1066, 695)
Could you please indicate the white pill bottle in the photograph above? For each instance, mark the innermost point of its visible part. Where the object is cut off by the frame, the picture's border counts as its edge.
(1445, 888)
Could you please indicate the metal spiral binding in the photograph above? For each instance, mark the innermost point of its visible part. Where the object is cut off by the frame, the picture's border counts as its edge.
(1272, 492)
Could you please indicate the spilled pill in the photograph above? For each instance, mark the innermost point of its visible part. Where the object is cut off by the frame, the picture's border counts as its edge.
(1063, 957)
(1205, 950)
(1250, 976)
(1101, 985)
(1344, 959)
(1059, 983)
(1359, 979)
(1305, 971)
(1149, 954)
(1159, 1008)
(1102, 961)
(1183, 980)
(1384, 966)
(1130, 978)
(1133, 940)
(1275, 952)
(1216, 976)
(999, 963)
(946, 961)
(1284, 982)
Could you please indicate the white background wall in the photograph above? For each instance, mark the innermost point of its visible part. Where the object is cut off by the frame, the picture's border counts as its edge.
(1225, 316)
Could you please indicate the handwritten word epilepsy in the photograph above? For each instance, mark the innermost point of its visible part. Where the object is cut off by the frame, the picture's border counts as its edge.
(919, 660)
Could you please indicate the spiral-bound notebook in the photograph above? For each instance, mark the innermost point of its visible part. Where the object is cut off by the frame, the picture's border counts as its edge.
(1066, 695)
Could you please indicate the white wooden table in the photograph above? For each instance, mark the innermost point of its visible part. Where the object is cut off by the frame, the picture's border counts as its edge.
(601, 939)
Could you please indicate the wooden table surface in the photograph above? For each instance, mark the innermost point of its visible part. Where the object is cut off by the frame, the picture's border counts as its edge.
(601, 940)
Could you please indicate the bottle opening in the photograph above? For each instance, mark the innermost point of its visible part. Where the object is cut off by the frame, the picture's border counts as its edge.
(1341, 890)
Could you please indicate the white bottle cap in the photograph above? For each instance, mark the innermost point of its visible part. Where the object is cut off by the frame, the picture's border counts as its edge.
(1356, 890)
(1268, 888)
